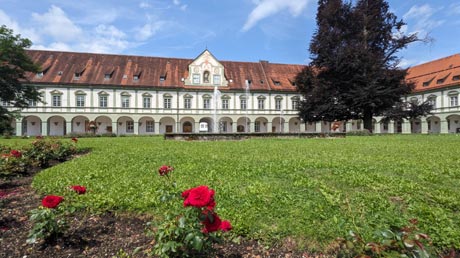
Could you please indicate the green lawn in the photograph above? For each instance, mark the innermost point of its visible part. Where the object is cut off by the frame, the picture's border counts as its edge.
(313, 190)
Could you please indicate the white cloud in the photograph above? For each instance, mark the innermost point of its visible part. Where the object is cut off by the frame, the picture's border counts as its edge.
(17, 29)
(423, 18)
(144, 5)
(183, 7)
(56, 24)
(266, 8)
(149, 29)
(455, 8)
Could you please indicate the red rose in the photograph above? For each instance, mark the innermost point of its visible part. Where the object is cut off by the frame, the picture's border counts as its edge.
(75, 140)
(16, 153)
(52, 201)
(211, 222)
(225, 226)
(164, 170)
(79, 189)
(200, 196)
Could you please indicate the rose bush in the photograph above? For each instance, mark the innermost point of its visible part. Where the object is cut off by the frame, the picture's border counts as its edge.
(190, 231)
(78, 189)
(52, 201)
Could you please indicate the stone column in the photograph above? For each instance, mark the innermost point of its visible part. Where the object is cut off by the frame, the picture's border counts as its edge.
(250, 127)
(157, 127)
(391, 126)
(406, 127)
(303, 127)
(68, 127)
(234, 127)
(44, 131)
(377, 127)
(136, 127)
(424, 127)
(286, 128)
(269, 127)
(349, 126)
(18, 128)
(115, 127)
(444, 127)
(318, 127)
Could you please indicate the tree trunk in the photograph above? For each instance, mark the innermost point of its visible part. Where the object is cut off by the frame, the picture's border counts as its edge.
(367, 120)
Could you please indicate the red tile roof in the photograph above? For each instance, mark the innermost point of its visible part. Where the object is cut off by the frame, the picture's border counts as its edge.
(436, 74)
(61, 68)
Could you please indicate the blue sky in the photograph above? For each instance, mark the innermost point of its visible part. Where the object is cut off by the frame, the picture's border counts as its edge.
(236, 30)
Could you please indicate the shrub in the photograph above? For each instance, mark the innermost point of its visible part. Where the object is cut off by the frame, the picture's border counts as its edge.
(12, 162)
(394, 242)
(49, 219)
(363, 132)
(189, 230)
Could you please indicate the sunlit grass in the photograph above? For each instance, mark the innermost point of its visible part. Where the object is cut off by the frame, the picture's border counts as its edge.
(313, 190)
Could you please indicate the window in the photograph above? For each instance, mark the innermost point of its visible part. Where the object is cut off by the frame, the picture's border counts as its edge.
(163, 77)
(40, 74)
(147, 103)
(261, 103)
(295, 104)
(207, 103)
(216, 79)
(56, 100)
(243, 105)
(432, 101)
(80, 100)
(103, 101)
(167, 103)
(278, 104)
(135, 77)
(130, 126)
(125, 101)
(454, 101)
(187, 103)
(257, 126)
(149, 126)
(225, 104)
(196, 78)
(4, 103)
(32, 103)
(76, 76)
(456, 78)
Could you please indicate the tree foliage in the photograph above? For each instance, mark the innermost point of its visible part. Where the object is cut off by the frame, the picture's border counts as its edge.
(14, 64)
(354, 71)
(408, 110)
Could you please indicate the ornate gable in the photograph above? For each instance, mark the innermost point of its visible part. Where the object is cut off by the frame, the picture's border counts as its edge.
(205, 70)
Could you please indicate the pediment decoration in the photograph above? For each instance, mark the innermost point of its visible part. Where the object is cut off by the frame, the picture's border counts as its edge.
(205, 70)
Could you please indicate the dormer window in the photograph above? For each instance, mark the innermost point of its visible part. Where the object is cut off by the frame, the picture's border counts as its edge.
(216, 79)
(107, 76)
(162, 77)
(276, 81)
(440, 81)
(196, 78)
(456, 78)
(40, 75)
(78, 74)
(137, 76)
(427, 83)
(42, 72)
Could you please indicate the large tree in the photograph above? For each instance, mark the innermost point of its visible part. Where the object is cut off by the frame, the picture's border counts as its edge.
(354, 71)
(14, 64)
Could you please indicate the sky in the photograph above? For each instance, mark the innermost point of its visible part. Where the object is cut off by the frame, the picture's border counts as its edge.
(278, 31)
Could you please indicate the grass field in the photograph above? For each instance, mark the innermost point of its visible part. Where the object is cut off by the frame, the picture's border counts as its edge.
(312, 190)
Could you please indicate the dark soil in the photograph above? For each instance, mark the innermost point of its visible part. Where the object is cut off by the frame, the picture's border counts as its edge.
(89, 235)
